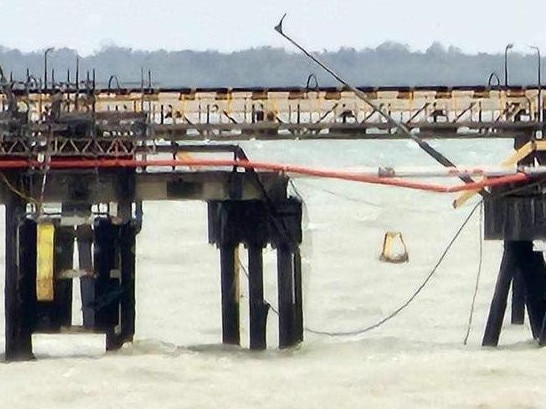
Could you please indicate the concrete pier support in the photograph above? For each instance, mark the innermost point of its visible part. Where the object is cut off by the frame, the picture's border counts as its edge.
(534, 278)
(51, 315)
(114, 286)
(286, 297)
(230, 294)
(259, 308)
(64, 256)
(518, 299)
(107, 291)
(127, 244)
(286, 235)
(290, 296)
(20, 290)
(500, 296)
(255, 224)
(519, 257)
(298, 297)
(84, 237)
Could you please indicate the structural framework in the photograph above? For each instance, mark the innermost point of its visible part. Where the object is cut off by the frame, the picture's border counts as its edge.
(77, 161)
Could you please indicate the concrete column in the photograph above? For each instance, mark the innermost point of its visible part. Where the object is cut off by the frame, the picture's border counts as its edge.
(230, 294)
(107, 282)
(84, 236)
(20, 277)
(258, 307)
(286, 296)
(498, 304)
(127, 245)
(64, 256)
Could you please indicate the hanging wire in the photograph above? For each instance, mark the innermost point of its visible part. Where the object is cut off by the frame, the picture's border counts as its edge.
(478, 275)
(370, 203)
(18, 192)
(406, 303)
(411, 298)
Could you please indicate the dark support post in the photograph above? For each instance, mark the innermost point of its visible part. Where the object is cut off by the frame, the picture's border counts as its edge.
(298, 297)
(256, 223)
(64, 256)
(127, 264)
(518, 285)
(498, 304)
(258, 307)
(230, 295)
(286, 235)
(84, 235)
(285, 278)
(534, 276)
(518, 299)
(107, 286)
(20, 265)
(127, 242)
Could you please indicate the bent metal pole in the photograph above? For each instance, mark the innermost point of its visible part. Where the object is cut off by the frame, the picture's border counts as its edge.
(400, 127)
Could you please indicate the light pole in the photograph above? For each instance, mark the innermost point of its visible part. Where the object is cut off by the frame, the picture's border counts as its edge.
(45, 65)
(508, 47)
(539, 83)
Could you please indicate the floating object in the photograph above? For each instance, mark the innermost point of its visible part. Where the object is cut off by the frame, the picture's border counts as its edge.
(394, 248)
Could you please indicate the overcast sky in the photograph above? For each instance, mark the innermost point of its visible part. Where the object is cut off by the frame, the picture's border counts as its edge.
(88, 25)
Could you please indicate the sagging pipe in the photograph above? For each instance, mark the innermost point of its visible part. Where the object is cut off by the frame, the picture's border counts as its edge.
(275, 167)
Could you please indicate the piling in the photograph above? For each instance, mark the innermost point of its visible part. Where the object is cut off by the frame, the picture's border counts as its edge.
(230, 294)
(518, 299)
(498, 304)
(84, 237)
(258, 307)
(63, 261)
(286, 300)
(20, 265)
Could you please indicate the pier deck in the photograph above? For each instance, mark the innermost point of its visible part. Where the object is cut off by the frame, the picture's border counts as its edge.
(93, 155)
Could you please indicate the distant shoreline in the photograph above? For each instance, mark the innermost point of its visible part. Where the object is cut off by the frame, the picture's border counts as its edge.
(390, 64)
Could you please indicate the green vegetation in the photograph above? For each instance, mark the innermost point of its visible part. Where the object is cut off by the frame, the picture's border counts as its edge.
(388, 64)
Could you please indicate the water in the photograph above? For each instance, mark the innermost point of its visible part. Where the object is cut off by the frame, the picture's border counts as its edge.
(416, 360)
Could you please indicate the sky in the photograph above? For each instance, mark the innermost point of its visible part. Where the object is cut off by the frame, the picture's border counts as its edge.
(224, 25)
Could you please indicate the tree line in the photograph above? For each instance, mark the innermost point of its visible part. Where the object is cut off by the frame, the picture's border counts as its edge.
(389, 64)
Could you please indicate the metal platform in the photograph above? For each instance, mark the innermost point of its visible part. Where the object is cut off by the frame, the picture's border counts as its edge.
(270, 113)
(98, 153)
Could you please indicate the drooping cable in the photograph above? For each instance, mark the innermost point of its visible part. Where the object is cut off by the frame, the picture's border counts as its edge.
(405, 304)
(478, 276)
(411, 298)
